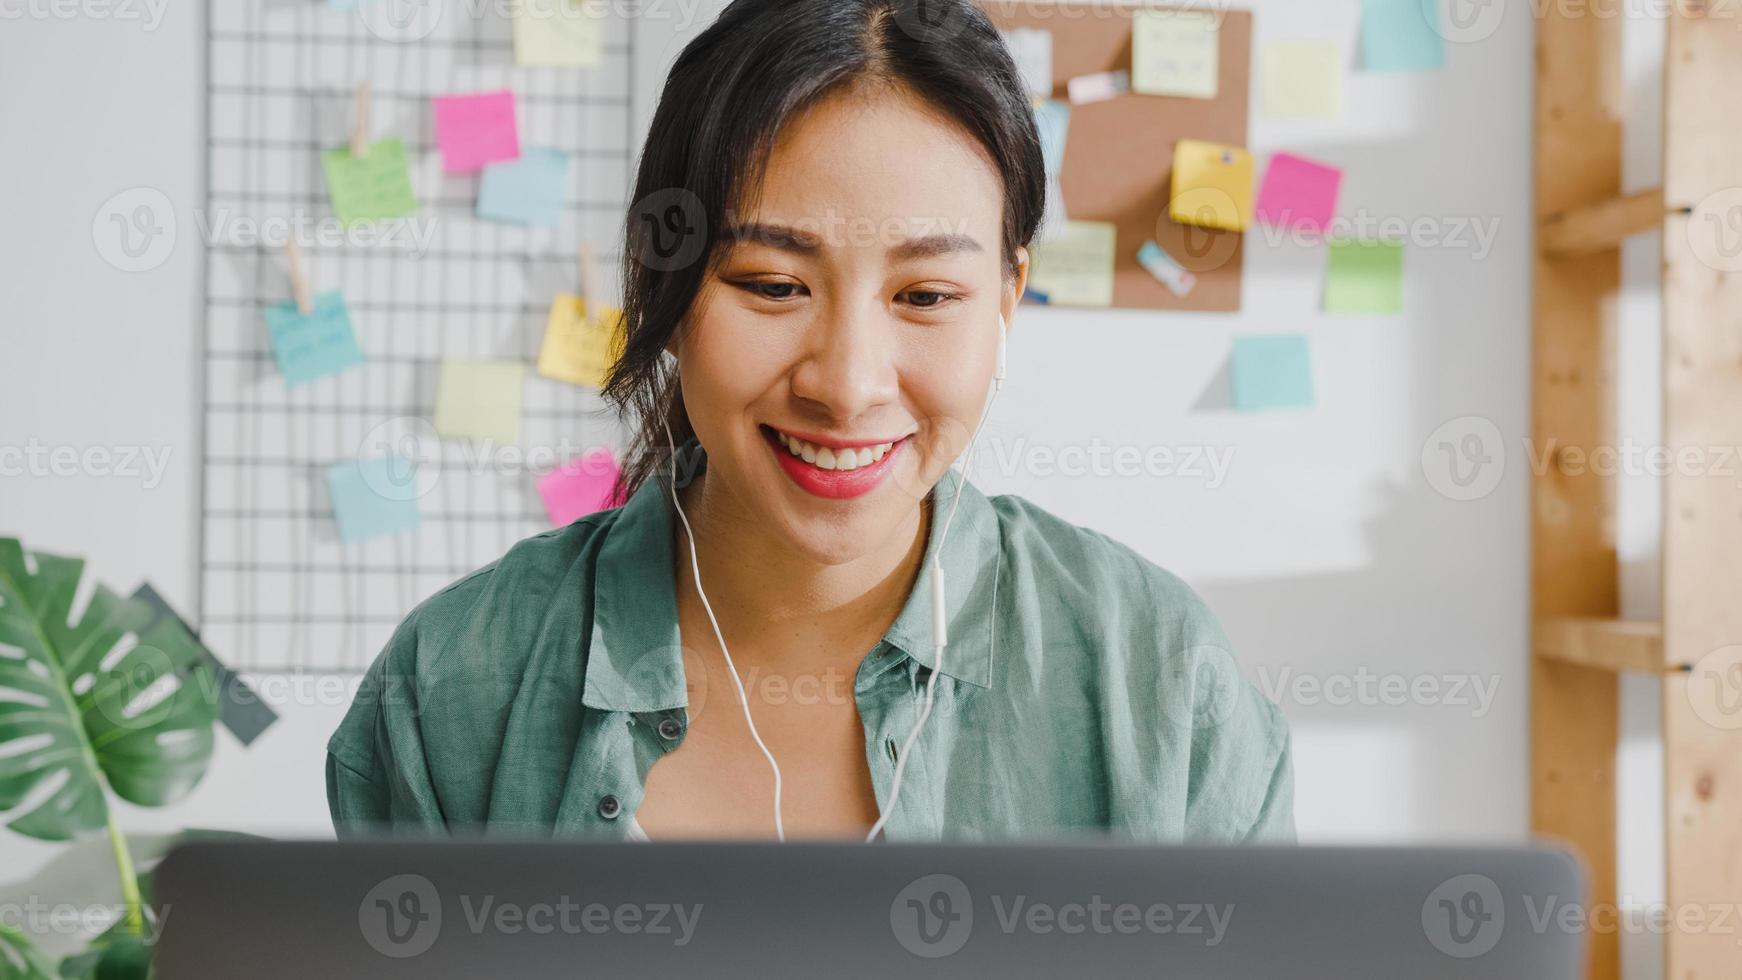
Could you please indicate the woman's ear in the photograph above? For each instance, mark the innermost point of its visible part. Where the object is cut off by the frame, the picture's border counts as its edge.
(1018, 285)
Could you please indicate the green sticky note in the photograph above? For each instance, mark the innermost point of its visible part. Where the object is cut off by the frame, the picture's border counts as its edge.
(1272, 371)
(1401, 35)
(1365, 276)
(558, 33)
(1075, 267)
(480, 400)
(373, 187)
(1175, 52)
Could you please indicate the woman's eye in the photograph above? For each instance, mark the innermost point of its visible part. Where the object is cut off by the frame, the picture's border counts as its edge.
(927, 298)
(771, 290)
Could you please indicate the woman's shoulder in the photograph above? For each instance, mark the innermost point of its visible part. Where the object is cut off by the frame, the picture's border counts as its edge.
(1088, 574)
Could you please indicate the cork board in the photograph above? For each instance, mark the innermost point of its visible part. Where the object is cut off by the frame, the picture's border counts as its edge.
(1118, 162)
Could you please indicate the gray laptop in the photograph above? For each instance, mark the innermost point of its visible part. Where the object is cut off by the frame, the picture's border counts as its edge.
(434, 910)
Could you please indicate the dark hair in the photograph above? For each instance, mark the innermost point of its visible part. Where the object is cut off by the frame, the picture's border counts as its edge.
(759, 65)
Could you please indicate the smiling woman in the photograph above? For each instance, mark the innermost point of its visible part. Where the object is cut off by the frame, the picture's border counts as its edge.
(830, 238)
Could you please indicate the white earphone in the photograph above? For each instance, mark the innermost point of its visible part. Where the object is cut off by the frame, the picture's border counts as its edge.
(940, 633)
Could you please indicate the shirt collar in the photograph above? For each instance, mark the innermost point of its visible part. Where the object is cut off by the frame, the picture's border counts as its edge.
(635, 662)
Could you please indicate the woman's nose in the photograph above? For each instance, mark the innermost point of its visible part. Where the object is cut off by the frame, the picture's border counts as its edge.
(849, 364)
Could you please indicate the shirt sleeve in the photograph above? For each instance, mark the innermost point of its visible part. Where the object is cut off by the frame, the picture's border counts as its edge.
(1242, 768)
(375, 772)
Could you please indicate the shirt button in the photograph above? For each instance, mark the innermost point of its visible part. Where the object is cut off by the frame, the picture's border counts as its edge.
(609, 807)
(670, 728)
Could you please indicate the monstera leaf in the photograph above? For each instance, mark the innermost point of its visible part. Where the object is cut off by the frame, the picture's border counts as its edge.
(19, 960)
(120, 696)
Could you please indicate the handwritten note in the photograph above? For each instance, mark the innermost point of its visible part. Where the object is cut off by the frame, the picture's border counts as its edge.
(580, 487)
(1401, 35)
(373, 187)
(1174, 52)
(558, 33)
(1272, 371)
(575, 353)
(313, 346)
(1031, 49)
(1212, 186)
(1365, 276)
(476, 130)
(1303, 80)
(480, 400)
(1075, 267)
(1299, 193)
(373, 497)
(527, 191)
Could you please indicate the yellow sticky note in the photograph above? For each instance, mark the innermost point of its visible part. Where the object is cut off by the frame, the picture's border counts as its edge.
(1175, 52)
(1075, 267)
(480, 400)
(1212, 186)
(558, 33)
(1303, 80)
(571, 352)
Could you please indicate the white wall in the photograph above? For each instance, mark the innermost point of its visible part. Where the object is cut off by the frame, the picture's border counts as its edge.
(1327, 551)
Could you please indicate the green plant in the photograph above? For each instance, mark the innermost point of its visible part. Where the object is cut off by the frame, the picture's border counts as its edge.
(120, 697)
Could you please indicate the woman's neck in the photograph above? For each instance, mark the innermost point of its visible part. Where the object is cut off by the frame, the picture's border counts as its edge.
(776, 605)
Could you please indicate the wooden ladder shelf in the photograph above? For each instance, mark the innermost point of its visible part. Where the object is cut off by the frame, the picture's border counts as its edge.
(1580, 644)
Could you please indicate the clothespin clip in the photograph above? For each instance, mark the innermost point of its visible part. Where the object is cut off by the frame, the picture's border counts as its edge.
(360, 124)
(298, 282)
(589, 285)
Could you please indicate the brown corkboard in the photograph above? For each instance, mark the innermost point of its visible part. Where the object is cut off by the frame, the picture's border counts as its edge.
(1118, 163)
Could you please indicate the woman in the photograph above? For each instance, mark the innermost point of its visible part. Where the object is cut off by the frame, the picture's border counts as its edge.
(835, 203)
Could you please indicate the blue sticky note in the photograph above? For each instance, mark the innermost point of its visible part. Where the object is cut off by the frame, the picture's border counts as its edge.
(527, 191)
(1053, 118)
(1272, 371)
(1401, 35)
(313, 346)
(373, 497)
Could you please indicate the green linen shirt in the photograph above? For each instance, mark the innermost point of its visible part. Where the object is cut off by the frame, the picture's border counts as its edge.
(1083, 690)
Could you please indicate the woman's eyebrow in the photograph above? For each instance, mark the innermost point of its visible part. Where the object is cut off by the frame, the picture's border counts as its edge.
(808, 243)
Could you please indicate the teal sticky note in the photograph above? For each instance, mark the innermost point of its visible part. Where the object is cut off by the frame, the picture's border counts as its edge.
(313, 346)
(1401, 35)
(527, 191)
(1272, 371)
(1365, 276)
(373, 497)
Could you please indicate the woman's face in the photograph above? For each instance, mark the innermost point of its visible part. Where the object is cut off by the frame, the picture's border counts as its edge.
(857, 310)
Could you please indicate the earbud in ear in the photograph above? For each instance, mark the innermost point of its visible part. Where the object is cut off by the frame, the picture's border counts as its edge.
(1003, 344)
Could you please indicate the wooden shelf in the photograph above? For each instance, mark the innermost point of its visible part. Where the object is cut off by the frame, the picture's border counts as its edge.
(1611, 644)
(1602, 226)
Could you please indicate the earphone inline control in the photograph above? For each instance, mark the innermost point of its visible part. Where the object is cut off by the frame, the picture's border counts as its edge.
(940, 631)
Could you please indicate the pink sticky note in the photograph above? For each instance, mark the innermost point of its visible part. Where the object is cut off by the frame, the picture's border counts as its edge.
(475, 130)
(1299, 193)
(579, 487)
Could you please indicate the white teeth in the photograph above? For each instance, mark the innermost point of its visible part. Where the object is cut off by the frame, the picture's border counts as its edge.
(828, 458)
